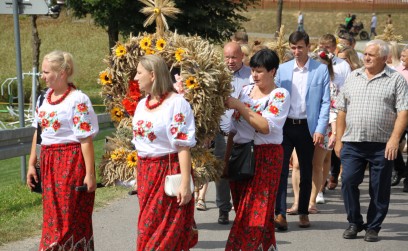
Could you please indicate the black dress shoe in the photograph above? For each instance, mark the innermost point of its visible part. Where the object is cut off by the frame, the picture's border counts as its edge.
(371, 235)
(405, 189)
(351, 232)
(396, 179)
(223, 218)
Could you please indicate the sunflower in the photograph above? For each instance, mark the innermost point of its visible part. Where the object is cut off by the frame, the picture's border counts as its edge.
(191, 83)
(105, 78)
(145, 43)
(149, 51)
(117, 154)
(160, 44)
(120, 50)
(131, 159)
(179, 54)
(116, 114)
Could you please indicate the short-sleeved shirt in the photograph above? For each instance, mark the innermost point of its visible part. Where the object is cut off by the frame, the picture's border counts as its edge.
(374, 22)
(341, 71)
(160, 131)
(69, 121)
(371, 106)
(274, 108)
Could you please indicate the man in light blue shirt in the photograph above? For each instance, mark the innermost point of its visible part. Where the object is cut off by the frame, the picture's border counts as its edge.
(233, 57)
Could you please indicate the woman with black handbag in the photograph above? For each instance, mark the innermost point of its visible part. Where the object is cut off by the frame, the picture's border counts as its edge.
(68, 124)
(258, 119)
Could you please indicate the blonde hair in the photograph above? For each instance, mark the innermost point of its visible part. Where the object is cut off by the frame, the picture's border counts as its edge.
(162, 80)
(257, 46)
(394, 55)
(61, 61)
(247, 52)
(352, 57)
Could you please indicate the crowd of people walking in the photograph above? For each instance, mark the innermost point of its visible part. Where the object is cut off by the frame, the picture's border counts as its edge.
(295, 111)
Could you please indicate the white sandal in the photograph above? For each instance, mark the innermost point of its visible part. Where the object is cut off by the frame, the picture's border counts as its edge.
(200, 205)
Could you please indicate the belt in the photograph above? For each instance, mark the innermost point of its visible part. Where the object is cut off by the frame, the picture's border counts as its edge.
(296, 121)
(225, 134)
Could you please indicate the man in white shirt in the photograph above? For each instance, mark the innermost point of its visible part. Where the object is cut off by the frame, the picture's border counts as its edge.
(233, 57)
(300, 22)
(373, 25)
(308, 84)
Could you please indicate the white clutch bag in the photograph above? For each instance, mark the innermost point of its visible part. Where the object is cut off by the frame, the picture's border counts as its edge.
(172, 184)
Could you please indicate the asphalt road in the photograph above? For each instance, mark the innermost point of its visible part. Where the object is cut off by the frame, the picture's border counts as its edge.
(115, 226)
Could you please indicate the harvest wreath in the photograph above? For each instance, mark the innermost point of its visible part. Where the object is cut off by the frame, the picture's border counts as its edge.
(203, 79)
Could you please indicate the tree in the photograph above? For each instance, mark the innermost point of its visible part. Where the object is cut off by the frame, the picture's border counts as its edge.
(214, 20)
(279, 17)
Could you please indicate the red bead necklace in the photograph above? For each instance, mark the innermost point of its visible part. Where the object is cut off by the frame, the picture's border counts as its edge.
(56, 102)
(162, 98)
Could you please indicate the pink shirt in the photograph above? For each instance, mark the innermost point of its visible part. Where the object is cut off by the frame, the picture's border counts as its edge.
(403, 70)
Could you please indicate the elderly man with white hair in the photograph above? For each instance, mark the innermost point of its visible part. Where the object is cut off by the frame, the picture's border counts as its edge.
(372, 115)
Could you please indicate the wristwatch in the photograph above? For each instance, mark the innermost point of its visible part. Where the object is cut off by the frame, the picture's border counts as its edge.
(334, 133)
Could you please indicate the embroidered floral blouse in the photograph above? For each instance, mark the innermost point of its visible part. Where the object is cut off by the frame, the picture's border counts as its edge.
(159, 131)
(274, 108)
(69, 121)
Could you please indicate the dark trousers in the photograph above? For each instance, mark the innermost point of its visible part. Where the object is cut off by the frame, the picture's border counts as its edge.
(354, 157)
(222, 187)
(400, 167)
(335, 166)
(298, 137)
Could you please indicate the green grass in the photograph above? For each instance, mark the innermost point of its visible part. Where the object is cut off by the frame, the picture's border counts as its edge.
(21, 210)
(318, 23)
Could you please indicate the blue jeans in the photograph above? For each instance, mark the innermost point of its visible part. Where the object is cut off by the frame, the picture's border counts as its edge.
(222, 188)
(354, 158)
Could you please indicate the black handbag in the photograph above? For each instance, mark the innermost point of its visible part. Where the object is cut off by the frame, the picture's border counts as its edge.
(241, 165)
(38, 187)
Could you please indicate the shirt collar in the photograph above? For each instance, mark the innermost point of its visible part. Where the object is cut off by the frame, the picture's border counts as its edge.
(238, 72)
(386, 71)
(304, 68)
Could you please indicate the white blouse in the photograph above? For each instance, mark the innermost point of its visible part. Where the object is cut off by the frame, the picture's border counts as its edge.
(69, 121)
(274, 108)
(159, 131)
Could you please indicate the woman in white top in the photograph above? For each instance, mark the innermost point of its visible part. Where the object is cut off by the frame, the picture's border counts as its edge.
(260, 113)
(163, 133)
(68, 123)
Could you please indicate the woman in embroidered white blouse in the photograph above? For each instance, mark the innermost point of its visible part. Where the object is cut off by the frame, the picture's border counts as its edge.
(260, 113)
(163, 133)
(68, 124)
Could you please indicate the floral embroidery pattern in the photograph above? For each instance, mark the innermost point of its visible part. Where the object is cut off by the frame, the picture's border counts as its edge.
(274, 104)
(80, 120)
(256, 108)
(178, 127)
(49, 120)
(144, 129)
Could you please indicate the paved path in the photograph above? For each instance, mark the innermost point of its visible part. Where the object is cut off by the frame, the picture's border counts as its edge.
(115, 226)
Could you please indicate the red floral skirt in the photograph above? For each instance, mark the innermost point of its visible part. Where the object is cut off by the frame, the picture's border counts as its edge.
(254, 202)
(162, 224)
(67, 214)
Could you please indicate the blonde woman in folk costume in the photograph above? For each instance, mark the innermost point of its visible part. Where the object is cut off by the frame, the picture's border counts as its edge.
(164, 132)
(68, 123)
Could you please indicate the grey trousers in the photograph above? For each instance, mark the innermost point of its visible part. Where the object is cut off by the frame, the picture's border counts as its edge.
(222, 188)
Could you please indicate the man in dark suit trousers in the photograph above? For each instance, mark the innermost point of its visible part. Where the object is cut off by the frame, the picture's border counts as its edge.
(308, 84)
